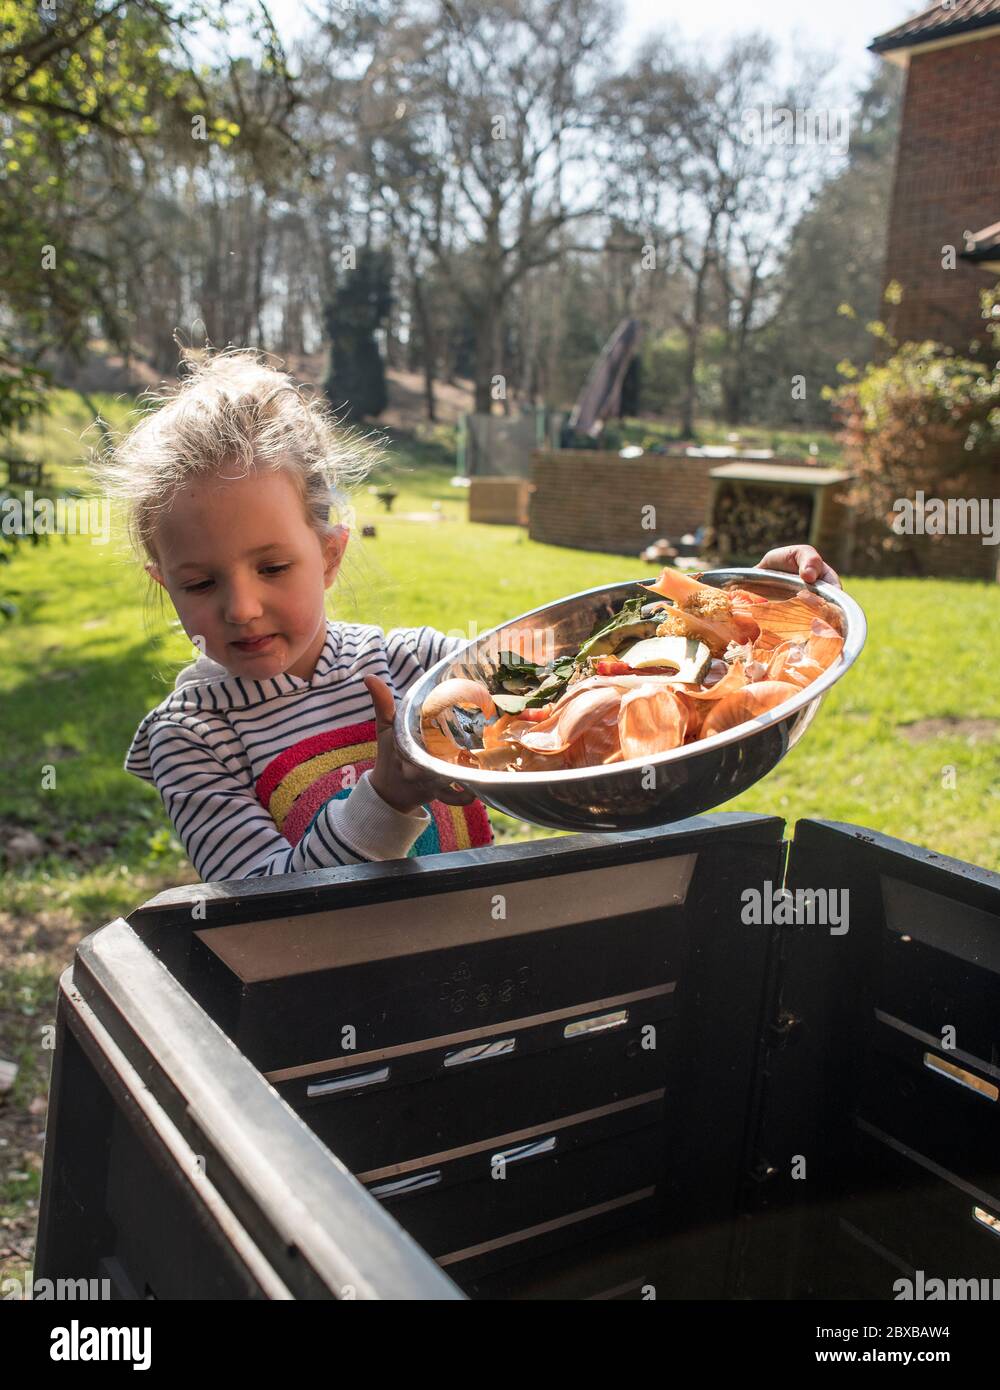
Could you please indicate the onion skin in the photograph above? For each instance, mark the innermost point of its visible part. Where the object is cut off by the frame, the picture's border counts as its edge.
(748, 703)
(437, 737)
(465, 693)
(652, 719)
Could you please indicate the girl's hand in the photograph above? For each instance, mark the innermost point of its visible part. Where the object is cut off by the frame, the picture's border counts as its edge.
(803, 560)
(401, 784)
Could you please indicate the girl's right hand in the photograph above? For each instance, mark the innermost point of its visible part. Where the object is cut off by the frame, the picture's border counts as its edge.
(400, 783)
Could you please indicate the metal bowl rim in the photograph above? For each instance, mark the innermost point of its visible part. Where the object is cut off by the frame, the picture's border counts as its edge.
(854, 641)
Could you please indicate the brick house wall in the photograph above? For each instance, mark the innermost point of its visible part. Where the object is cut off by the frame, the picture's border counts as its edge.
(947, 183)
(592, 500)
(956, 557)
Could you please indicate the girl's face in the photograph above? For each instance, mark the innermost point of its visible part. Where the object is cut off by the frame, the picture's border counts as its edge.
(240, 562)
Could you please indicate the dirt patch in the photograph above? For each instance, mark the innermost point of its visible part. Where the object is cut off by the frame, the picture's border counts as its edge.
(407, 406)
(22, 1136)
(57, 842)
(973, 730)
(40, 942)
(24, 1013)
(46, 939)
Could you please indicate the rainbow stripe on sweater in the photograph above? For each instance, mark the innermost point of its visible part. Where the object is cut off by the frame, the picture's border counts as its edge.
(297, 784)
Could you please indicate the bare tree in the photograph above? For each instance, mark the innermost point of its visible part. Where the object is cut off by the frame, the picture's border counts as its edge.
(474, 115)
(712, 202)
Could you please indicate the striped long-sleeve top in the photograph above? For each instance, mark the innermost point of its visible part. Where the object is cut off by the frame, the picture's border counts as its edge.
(263, 777)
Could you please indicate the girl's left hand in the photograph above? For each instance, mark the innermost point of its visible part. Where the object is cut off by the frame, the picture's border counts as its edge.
(802, 560)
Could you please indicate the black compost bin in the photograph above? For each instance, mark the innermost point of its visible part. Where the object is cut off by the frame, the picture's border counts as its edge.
(694, 1062)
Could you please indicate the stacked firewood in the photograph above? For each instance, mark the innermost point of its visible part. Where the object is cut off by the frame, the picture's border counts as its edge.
(747, 521)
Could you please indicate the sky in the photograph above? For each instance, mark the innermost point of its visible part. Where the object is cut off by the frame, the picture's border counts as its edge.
(842, 29)
(845, 28)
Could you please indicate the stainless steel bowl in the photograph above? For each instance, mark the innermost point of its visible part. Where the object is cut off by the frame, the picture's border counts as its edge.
(642, 792)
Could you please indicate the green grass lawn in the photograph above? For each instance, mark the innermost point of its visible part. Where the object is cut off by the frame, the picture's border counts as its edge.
(86, 660)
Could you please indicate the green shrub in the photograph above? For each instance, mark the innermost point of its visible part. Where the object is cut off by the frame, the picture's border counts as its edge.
(924, 419)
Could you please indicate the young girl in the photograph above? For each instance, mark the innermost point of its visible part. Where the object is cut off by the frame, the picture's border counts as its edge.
(275, 751)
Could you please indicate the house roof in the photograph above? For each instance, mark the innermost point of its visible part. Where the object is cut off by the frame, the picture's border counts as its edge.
(958, 20)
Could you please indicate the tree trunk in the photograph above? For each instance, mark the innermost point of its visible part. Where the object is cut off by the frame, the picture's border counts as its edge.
(257, 310)
(693, 331)
(737, 387)
(429, 389)
(427, 335)
(211, 283)
(687, 405)
(487, 355)
(735, 381)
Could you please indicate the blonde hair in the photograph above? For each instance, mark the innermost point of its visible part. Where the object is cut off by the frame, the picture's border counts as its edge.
(232, 408)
